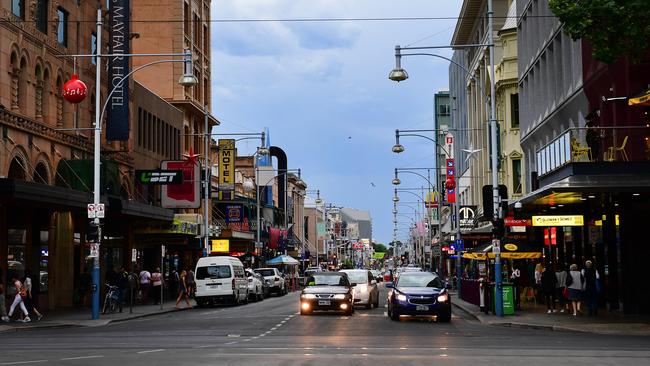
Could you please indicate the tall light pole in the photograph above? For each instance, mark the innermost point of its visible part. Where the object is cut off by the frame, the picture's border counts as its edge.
(187, 79)
(399, 74)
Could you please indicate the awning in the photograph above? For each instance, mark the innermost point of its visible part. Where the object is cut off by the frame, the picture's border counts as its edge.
(642, 99)
(510, 249)
(37, 193)
(143, 210)
(282, 260)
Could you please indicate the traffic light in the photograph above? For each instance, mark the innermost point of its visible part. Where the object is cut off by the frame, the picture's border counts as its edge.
(488, 200)
(93, 232)
(498, 228)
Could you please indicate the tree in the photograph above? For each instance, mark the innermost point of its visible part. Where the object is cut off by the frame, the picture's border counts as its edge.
(614, 28)
(379, 248)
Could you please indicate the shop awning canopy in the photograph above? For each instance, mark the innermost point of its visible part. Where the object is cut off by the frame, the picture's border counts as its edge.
(282, 260)
(510, 249)
(642, 99)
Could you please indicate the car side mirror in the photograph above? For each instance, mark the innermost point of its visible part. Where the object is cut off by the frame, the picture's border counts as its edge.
(390, 284)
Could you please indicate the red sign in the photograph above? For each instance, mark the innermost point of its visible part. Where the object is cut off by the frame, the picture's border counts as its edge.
(451, 172)
(187, 194)
(553, 232)
(511, 221)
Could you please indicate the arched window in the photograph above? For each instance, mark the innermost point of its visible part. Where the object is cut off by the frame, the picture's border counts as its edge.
(17, 169)
(41, 174)
(22, 86)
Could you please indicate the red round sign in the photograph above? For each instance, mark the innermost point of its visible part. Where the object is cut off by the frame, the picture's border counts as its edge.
(75, 90)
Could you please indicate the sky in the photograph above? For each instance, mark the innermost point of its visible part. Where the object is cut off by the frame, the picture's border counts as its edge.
(322, 89)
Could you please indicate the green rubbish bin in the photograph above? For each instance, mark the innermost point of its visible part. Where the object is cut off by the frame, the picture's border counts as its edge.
(507, 290)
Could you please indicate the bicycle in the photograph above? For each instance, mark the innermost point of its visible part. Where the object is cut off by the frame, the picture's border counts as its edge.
(111, 301)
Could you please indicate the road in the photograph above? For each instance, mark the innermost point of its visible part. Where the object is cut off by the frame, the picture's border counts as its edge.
(272, 333)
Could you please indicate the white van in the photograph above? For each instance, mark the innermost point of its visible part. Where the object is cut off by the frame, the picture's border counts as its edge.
(220, 280)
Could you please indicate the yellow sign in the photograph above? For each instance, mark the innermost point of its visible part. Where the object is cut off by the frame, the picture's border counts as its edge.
(226, 168)
(561, 220)
(220, 246)
(510, 247)
(600, 222)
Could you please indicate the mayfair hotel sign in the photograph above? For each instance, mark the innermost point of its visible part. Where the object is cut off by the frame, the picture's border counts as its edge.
(560, 220)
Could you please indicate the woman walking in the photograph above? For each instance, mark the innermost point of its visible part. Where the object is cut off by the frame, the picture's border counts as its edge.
(30, 300)
(182, 290)
(18, 299)
(575, 283)
(548, 289)
(560, 286)
(156, 282)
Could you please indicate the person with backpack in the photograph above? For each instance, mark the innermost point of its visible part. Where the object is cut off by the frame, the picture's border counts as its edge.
(21, 292)
(575, 283)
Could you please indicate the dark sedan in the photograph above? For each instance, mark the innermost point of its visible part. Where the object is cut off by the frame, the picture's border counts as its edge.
(419, 294)
(327, 291)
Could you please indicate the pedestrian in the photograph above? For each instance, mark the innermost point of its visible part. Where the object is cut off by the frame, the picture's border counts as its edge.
(85, 283)
(156, 283)
(18, 299)
(182, 290)
(191, 283)
(145, 283)
(548, 283)
(538, 282)
(173, 283)
(3, 308)
(31, 301)
(515, 278)
(591, 277)
(560, 287)
(122, 286)
(575, 283)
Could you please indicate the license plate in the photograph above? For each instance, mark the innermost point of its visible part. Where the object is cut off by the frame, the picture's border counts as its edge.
(324, 302)
(421, 308)
(217, 285)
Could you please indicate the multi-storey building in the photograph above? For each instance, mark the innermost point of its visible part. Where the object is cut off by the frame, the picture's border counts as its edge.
(585, 144)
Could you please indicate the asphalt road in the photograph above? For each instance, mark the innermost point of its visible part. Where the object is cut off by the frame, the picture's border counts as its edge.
(272, 333)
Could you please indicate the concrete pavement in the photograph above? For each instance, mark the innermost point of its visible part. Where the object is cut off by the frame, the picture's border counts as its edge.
(535, 317)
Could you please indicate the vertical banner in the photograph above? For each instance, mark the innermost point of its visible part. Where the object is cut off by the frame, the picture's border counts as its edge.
(117, 125)
(226, 169)
(450, 166)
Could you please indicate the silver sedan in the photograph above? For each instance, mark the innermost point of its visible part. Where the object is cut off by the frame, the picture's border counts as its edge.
(366, 291)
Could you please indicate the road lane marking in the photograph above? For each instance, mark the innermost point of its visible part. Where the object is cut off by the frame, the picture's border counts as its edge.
(22, 362)
(81, 358)
(151, 351)
(234, 335)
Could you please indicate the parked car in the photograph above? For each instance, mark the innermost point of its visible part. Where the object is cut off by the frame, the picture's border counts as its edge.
(273, 279)
(366, 291)
(419, 294)
(219, 280)
(255, 285)
(328, 291)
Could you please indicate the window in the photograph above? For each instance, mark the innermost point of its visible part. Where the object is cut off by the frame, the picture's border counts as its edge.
(187, 21)
(93, 47)
(18, 8)
(197, 30)
(206, 92)
(62, 28)
(514, 110)
(516, 176)
(206, 40)
(444, 110)
(41, 16)
(213, 272)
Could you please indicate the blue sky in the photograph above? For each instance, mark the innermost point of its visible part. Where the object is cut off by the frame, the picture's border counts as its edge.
(322, 90)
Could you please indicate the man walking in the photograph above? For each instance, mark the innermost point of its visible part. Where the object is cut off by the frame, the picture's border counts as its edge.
(145, 284)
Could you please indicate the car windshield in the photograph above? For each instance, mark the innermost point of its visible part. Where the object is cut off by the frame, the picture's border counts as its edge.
(213, 272)
(320, 280)
(420, 281)
(265, 272)
(357, 276)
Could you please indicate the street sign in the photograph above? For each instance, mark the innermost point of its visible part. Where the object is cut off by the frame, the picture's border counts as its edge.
(437, 250)
(159, 176)
(460, 244)
(496, 246)
(91, 211)
(134, 255)
(100, 211)
(162, 250)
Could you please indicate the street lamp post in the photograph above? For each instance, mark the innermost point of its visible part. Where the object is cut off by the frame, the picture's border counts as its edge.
(399, 74)
(187, 79)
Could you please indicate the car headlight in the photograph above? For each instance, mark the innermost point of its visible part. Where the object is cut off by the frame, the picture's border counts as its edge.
(401, 297)
(443, 298)
(339, 297)
(308, 296)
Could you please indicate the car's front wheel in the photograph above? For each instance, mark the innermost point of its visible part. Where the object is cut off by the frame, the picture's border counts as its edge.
(444, 317)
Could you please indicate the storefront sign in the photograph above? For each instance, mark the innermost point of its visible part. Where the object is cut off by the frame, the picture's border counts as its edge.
(188, 193)
(466, 216)
(157, 177)
(561, 220)
(451, 175)
(220, 246)
(511, 221)
(226, 169)
(187, 224)
(234, 213)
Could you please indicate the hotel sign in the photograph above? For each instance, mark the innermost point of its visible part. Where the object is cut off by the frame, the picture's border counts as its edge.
(561, 220)
(226, 169)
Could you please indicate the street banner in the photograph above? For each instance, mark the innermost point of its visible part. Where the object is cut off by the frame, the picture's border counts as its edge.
(117, 125)
(451, 174)
(321, 231)
(187, 194)
(226, 169)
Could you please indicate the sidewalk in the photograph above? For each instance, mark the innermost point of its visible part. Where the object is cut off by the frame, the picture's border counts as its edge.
(535, 317)
(78, 317)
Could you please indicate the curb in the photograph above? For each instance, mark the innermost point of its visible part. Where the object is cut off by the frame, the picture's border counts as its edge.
(140, 316)
(474, 316)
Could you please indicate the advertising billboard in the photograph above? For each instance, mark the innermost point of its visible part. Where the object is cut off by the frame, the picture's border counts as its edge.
(226, 169)
(187, 194)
